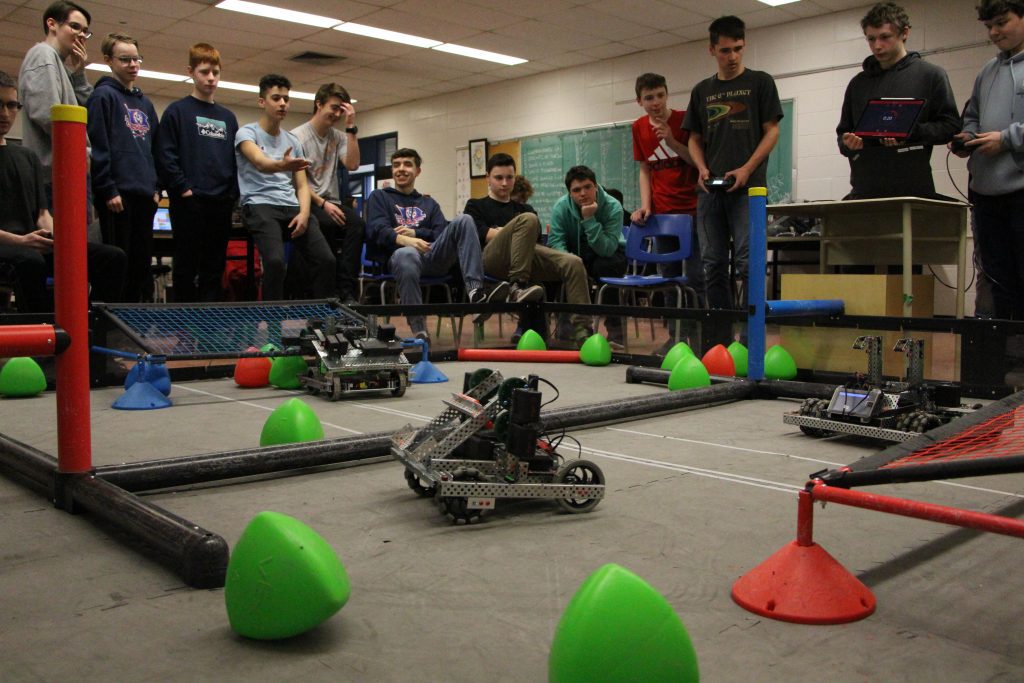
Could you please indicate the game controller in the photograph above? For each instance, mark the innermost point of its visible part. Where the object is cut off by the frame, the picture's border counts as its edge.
(959, 144)
(719, 182)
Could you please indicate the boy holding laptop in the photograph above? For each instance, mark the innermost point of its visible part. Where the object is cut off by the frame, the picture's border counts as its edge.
(891, 166)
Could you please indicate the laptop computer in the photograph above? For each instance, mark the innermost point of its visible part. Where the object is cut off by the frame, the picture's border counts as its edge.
(889, 117)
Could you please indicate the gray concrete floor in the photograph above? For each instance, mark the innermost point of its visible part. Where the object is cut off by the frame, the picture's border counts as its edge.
(695, 500)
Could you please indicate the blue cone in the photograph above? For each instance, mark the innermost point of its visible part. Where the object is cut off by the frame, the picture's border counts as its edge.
(426, 372)
(149, 371)
(142, 396)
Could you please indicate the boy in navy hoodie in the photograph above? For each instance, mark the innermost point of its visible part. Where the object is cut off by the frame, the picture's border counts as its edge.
(196, 160)
(122, 127)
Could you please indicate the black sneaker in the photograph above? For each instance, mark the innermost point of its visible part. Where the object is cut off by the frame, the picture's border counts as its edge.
(497, 294)
(518, 294)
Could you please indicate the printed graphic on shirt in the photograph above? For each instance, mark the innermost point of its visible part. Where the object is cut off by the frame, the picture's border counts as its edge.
(211, 128)
(664, 157)
(720, 110)
(409, 216)
(136, 121)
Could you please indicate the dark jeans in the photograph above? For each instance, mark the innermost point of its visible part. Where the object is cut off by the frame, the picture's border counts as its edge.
(132, 231)
(999, 230)
(201, 227)
(106, 266)
(346, 241)
(723, 217)
(268, 225)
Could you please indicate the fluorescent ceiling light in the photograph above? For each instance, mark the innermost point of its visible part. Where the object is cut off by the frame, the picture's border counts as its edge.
(299, 95)
(143, 73)
(384, 34)
(776, 3)
(258, 10)
(479, 54)
(231, 85)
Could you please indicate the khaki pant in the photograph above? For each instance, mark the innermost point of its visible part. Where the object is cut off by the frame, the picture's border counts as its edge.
(515, 255)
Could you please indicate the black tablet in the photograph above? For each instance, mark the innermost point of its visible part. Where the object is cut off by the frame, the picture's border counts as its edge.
(889, 118)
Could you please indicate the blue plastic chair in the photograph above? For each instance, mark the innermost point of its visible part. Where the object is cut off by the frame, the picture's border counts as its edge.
(640, 251)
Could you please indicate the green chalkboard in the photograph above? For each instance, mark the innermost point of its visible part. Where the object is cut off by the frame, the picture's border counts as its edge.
(609, 152)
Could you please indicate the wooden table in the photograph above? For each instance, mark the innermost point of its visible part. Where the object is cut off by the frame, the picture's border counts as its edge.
(891, 231)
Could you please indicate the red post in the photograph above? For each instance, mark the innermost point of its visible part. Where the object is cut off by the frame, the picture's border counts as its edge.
(516, 356)
(71, 284)
(805, 519)
(912, 508)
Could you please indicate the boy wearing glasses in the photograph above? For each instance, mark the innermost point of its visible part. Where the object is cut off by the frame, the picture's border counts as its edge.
(26, 226)
(122, 127)
(53, 72)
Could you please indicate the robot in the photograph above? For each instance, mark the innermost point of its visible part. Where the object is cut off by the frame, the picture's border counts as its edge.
(872, 407)
(354, 355)
(486, 445)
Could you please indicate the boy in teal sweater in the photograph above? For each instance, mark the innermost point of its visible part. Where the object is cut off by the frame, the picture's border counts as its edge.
(588, 222)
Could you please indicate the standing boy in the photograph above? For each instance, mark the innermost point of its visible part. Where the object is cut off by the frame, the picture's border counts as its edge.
(275, 194)
(890, 167)
(196, 160)
(733, 119)
(122, 127)
(325, 147)
(53, 72)
(668, 178)
(994, 139)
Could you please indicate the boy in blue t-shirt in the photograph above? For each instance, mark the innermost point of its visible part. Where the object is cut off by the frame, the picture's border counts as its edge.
(275, 194)
(196, 162)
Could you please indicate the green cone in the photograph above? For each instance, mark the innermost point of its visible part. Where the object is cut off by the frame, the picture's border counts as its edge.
(283, 579)
(291, 422)
(739, 358)
(286, 370)
(596, 351)
(778, 364)
(675, 354)
(689, 373)
(21, 377)
(618, 628)
(531, 341)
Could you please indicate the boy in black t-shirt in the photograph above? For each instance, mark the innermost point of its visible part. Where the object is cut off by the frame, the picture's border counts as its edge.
(733, 119)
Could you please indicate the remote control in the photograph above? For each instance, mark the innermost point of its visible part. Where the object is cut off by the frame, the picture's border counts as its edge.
(719, 182)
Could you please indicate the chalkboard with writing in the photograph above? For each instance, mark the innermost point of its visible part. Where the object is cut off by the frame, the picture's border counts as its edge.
(609, 152)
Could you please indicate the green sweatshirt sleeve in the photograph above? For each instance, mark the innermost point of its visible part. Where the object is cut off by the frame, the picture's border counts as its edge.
(604, 228)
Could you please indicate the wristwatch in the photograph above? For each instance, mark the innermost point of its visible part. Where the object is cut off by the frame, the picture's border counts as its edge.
(354, 130)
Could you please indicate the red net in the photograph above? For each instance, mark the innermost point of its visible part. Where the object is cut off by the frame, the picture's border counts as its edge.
(998, 437)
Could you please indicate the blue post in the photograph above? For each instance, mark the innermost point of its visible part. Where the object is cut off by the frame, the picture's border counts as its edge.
(756, 269)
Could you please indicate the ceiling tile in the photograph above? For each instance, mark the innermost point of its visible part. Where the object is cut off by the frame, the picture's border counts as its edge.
(653, 41)
(592, 22)
(437, 28)
(654, 13)
(475, 16)
(569, 38)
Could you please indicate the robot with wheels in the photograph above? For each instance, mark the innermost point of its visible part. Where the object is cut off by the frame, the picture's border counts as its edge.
(353, 355)
(871, 407)
(486, 445)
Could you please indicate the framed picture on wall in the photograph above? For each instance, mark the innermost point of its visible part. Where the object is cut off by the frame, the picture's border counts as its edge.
(477, 158)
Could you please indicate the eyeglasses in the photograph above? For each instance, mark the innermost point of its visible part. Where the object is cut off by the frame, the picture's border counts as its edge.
(11, 106)
(128, 60)
(78, 28)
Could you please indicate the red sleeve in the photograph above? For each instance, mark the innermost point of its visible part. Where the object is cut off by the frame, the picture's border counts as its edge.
(638, 154)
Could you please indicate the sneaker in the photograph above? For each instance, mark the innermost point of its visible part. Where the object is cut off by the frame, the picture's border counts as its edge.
(581, 333)
(615, 340)
(424, 335)
(518, 294)
(497, 294)
(517, 335)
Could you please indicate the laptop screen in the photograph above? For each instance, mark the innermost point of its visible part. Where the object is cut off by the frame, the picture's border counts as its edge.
(162, 220)
(889, 118)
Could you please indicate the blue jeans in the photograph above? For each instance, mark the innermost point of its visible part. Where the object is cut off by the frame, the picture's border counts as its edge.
(721, 216)
(457, 243)
(999, 230)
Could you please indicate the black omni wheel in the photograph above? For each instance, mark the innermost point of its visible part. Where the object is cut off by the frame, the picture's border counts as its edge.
(400, 389)
(579, 473)
(422, 487)
(814, 407)
(457, 507)
(918, 421)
